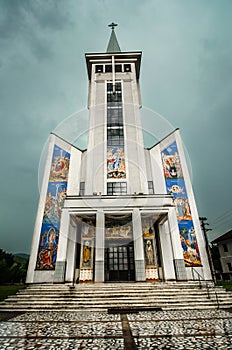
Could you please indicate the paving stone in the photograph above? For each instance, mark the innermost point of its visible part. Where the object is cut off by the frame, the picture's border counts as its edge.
(191, 329)
(67, 316)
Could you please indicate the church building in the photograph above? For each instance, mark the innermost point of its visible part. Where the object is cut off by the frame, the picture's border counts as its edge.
(116, 212)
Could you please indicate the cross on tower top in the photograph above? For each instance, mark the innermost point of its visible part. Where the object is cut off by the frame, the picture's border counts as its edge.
(112, 25)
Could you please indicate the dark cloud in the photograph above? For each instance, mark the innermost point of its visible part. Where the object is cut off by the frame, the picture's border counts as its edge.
(31, 23)
(18, 16)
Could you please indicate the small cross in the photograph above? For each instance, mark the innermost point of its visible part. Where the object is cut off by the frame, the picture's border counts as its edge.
(112, 25)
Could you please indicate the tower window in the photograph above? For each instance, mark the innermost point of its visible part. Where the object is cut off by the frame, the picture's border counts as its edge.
(229, 266)
(127, 68)
(108, 68)
(115, 136)
(82, 188)
(150, 187)
(116, 188)
(99, 68)
(118, 68)
(118, 87)
(114, 117)
(116, 97)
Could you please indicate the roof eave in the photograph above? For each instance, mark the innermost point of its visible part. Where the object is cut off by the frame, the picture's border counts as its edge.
(108, 55)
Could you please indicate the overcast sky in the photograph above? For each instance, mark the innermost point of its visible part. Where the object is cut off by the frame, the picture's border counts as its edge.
(186, 76)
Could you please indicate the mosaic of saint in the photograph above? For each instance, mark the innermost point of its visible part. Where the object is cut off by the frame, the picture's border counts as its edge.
(175, 185)
(47, 248)
(87, 227)
(171, 164)
(149, 241)
(56, 193)
(116, 162)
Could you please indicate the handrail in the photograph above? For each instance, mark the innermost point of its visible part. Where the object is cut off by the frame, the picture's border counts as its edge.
(200, 279)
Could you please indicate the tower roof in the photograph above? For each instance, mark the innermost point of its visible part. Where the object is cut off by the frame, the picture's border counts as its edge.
(113, 45)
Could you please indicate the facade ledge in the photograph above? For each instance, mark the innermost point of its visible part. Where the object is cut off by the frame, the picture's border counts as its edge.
(119, 202)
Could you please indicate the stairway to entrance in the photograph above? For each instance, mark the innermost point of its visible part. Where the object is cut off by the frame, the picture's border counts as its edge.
(102, 297)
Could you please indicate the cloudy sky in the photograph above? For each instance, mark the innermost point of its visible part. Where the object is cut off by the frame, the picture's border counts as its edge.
(185, 77)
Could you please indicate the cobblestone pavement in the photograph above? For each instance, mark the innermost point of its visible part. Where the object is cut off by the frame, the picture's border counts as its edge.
(98, 330)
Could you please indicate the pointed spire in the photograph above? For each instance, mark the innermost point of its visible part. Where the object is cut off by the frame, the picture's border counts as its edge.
(113, 45)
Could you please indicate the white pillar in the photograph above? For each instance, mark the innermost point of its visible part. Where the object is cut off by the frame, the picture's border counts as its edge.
(176, 245)
(99, 247)
(71, 252)
(167, 253)
(59, 276)
(140, 272)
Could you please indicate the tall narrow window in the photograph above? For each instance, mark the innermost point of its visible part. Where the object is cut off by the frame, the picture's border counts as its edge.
(116, 168)
(82, 188)
(150, 187)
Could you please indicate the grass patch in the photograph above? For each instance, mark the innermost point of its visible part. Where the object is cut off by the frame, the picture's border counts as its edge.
(226, 284)
(6, 290)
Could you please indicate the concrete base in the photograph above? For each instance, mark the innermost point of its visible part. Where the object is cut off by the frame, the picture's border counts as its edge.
(59, 275)
(140, 270)
(180, 269)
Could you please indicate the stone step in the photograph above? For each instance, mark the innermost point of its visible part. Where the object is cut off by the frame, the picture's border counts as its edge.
(110, 302)
(75, 296)
(113, 296)
(118, 286)
(105, 308)
(124, 292)
(138, 290)
(167, 308)
(104, 296)
(122, 285)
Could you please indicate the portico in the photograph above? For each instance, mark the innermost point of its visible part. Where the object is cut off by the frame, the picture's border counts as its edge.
(130, 244)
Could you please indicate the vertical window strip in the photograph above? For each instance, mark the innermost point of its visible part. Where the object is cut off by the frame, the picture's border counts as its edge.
(115, 133)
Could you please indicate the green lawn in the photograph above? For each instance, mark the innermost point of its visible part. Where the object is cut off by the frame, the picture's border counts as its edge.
(227, 285)
(6, 290)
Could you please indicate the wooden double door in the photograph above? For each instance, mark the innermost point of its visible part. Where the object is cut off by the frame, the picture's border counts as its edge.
(119, 263)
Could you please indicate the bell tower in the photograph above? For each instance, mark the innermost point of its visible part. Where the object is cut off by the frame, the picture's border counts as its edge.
(115, 150)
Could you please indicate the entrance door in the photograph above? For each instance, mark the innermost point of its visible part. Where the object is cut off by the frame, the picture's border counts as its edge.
(119, 263)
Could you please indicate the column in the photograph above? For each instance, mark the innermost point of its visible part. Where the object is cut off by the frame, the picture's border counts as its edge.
(99, 246)
(59, 275)
(71, 253)
(176, 246)
(167, 253)
(138, 246)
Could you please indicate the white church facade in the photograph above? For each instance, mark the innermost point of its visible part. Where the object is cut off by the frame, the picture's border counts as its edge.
(117, 211)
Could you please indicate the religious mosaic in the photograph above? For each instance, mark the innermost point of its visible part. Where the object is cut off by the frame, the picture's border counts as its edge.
(118, 228)
(175, 185)
(87, 242)
(149, 241)
(116, 162)
(56, 192)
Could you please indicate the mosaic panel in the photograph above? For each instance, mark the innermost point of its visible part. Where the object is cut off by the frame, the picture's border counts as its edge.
(175, 184)
(56, 192)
